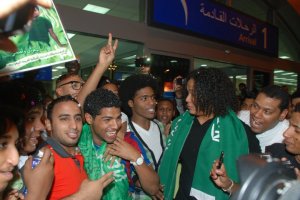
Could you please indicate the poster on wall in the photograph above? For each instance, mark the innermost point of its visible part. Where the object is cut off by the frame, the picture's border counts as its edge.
(44, 44)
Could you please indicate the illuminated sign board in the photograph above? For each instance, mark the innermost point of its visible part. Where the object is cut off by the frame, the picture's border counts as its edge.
(215, 21)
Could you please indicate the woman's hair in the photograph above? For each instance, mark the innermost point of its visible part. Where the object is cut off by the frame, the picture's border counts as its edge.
(214, 92)
(10, 116)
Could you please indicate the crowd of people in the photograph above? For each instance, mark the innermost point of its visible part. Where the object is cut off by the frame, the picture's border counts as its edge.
(101, 140)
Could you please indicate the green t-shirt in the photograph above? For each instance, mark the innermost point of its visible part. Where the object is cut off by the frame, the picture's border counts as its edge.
(96, 167)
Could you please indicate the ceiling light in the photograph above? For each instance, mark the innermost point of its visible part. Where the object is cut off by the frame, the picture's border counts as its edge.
(54, 70)
(70, 35)
(60, 67)
(129, 57)
(173, 61)
(203, 65)
(131, 65)
(167, 70)
(96, 9)
(284, 57)
(289, 73)
(278, 71)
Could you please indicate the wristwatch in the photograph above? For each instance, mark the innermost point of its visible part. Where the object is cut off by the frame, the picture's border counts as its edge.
(139, 161)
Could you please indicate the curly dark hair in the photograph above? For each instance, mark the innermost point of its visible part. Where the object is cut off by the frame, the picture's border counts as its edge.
(214, 91)
(98, 99)
(132, 84)
(60, 99)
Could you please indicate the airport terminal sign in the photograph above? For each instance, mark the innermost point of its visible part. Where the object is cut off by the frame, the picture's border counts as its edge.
(215, 21)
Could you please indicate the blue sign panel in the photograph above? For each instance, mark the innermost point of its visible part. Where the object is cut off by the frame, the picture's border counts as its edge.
(212, 20)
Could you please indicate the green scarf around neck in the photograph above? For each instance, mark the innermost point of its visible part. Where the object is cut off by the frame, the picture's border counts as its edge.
(224, 134)
(96, 167)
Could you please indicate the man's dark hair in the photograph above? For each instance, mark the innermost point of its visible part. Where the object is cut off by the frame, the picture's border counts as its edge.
(98, 99)
(10, 116)
(276, 92)
(132, 84)
(248, 95)
(64, 77)
(58, 100)
(172, 102)
(214, 91)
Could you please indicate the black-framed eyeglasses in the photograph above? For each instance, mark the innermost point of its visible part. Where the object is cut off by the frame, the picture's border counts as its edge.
(76, 85)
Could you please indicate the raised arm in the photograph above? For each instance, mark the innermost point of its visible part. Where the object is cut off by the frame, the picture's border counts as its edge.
(106, 56)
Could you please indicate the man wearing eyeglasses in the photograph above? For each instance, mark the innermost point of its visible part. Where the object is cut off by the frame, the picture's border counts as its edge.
(72, 84)
(69, 84)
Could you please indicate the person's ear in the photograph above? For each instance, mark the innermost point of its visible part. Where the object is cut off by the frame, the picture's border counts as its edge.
(173, 114)
(88, 118)
(130, 103)
(48, 124)
(59, 91)
(283, 114)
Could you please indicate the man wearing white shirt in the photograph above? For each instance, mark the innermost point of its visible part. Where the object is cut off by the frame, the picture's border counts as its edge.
(267, 115)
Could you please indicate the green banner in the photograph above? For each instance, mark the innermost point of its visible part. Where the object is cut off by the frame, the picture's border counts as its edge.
(45, 44)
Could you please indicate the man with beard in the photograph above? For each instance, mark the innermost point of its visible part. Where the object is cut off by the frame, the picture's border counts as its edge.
(103, 117)
(267, 115)
(70, 179)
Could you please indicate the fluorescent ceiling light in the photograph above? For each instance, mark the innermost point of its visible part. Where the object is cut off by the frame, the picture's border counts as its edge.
(96, 9)
(173, 61)
(203, 65)
(131, 65)
(278, 71)
(284, 57)
(70, 35)
(289, 73)
(129, 57)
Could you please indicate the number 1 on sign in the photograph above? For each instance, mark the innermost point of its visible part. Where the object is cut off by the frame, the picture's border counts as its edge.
(264, 31)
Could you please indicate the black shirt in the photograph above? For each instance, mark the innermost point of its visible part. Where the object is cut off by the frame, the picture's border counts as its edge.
(189, 153)
(278, 150)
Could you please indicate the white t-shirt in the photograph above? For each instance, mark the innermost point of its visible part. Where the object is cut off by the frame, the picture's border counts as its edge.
(151, 137)
(269, 137)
